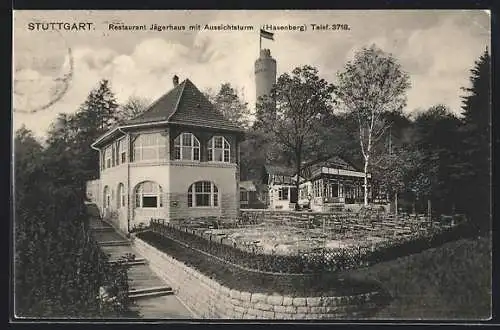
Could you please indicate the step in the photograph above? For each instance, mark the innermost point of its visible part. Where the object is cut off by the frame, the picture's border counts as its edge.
(150, 289)
(102, 229)
(114, 243)
(150, 292)
(150, 295)
(135, 262)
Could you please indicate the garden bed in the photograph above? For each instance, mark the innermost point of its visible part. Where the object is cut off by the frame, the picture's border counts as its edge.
(319, 284)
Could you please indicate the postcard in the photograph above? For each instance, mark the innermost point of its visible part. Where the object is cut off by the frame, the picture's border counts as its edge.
(287, 165)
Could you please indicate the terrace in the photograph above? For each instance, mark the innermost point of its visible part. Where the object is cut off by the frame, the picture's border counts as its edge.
(299, 254)
(336, 241)
(284, 234)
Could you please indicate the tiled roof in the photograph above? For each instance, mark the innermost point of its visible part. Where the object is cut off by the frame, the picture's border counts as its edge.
(185, 105)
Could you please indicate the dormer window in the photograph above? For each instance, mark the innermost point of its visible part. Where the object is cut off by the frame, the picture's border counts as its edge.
(218, 150)
(186, 147)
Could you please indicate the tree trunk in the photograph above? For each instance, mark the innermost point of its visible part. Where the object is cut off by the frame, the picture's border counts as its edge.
(429, 209)
(297, 182)
(396, 204)
(366, 182)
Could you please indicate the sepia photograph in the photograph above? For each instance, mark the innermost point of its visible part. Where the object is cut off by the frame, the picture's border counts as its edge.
(254, 165)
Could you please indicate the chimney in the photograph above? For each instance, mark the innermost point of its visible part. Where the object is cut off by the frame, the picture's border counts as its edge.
(175, 79)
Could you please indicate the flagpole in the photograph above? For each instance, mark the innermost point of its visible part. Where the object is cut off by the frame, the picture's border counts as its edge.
(260, 42)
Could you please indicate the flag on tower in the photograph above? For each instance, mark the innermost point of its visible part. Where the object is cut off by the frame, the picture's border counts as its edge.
(266, 35)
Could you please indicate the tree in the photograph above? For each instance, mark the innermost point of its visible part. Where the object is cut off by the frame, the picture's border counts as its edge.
(230, 105)
(394, 167)
(96, 115)
(99, 111)
(27, 170)
(58, 266)
(294, 111)
(476, 142)
(134, 106)
(259, 148)
(437, 177)
(369, 86)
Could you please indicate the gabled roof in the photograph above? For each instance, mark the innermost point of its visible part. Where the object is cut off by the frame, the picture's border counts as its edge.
(338, 162)
(185, 105)
(279, 170)
(332, 162)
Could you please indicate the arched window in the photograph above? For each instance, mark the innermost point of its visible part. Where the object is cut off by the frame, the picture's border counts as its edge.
(148, 194)
(121, 195)
(218, 149)
(107, 197)
(150, 146)
(203, 194)
(187, 147)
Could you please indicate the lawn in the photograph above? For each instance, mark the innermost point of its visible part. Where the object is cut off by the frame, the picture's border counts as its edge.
(452, 281)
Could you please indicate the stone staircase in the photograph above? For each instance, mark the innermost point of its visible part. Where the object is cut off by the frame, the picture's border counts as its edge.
(152, 297)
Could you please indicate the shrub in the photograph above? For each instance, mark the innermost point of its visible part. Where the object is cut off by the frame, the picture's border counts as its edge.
(59, 268)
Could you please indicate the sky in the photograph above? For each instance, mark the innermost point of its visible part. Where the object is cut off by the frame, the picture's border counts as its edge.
(436, 47)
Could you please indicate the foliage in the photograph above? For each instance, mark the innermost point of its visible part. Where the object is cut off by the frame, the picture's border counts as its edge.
(132, 108)
(99, 111)
(370, 86)
(392, 169)
(294, 111)
(475, 134)
(72, 135)
(58, 266)
(258, 149)
(438, 174)
(229, 103)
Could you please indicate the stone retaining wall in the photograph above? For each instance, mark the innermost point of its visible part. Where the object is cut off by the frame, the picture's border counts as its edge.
(207, 298)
